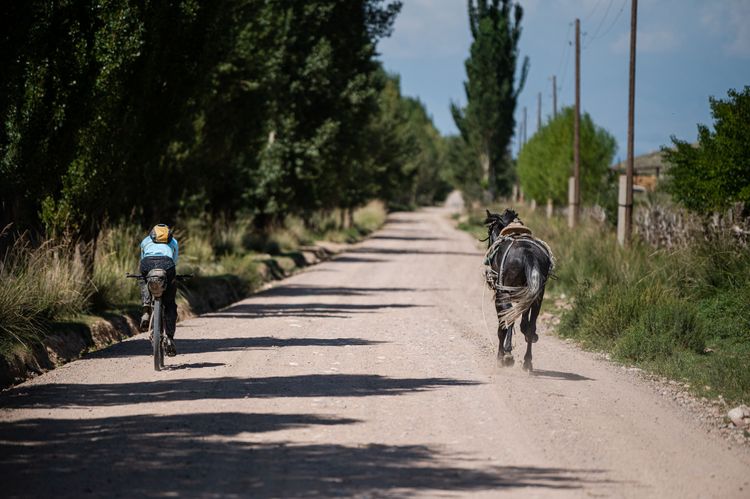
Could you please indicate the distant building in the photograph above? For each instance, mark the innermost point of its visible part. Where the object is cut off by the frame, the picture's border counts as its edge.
(648, 169)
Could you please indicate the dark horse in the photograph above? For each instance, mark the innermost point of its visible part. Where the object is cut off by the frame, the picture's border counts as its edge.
(520, 266)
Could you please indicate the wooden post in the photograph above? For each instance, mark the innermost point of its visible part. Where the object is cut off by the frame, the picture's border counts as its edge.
(550, 208)
(577, 133)
(622, 200)
(628, 212)
(571, 202)
(554, 96)
(532, 206)
(538, 111)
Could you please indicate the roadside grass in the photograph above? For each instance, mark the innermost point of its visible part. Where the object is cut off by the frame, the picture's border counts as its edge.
(38, 285)
(115, 256)
(44, 285)
(365, 220)
(684, 314)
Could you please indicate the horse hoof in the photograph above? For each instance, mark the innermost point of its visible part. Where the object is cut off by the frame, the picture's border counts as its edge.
(527, 366)
(506, 360)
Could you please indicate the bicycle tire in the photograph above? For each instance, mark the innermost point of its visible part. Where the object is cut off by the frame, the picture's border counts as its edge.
(163, 348)
(158, 352)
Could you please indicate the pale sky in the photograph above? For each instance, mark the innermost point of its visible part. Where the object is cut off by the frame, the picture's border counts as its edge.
(688, 50)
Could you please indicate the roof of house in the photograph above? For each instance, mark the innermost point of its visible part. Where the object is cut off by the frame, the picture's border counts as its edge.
(645, 163)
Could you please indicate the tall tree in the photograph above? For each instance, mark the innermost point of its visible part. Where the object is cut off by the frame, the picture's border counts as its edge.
(487, 123)
(715, 172)
(544, 162)
(407, 155)
(323, 73)
(152, 110)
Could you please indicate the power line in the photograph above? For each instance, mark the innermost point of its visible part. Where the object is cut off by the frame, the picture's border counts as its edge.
(563, 79)
(622, 9)
(566, 58)
(565, 48)
(591, 13)
(599, 27)
(612, 25)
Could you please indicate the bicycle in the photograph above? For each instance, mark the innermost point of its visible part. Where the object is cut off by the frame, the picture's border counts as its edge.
(156, 281)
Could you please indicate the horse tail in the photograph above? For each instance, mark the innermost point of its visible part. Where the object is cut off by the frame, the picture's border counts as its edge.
(522, 297)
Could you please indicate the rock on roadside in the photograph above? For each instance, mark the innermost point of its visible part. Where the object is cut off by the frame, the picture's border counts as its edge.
(740, 416)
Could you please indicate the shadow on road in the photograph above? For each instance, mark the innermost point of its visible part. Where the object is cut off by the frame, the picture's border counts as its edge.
(142, 347)
(224, 344)
(310, 290)
(405, 238)
(401, 220)
(560, 375)
(194, 365)
(400, 251)
(353, 259)
(251, 310)
(312, 385)
(203, 455)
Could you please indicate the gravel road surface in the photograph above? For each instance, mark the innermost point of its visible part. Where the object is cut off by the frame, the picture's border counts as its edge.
(371, 375)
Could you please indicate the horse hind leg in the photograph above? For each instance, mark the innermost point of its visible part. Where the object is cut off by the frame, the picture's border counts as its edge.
(528, 320)
(504, 355)
(527, 364)
(528, 326)
(505, 338)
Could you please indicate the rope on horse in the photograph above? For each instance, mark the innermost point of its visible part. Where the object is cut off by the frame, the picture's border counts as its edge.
(494, 278)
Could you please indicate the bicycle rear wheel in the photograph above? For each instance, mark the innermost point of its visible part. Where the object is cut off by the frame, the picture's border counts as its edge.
(157, 333)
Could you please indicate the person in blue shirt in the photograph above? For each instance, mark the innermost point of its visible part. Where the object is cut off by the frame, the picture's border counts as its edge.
(159, 250)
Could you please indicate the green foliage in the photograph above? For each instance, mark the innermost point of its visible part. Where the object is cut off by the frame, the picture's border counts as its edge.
(38, 286)
(152, 110)
(716, 173)
(546, 161)
(462, 169)
(408, 156)
(487, 123)
(116, 256)
(324, 94)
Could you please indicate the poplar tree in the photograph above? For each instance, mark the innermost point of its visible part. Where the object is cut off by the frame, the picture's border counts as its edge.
(486, 123)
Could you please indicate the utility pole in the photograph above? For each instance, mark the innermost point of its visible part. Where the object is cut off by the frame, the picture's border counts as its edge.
(538, 111)
(524, 125)
(574, 197)
(519, 136)
(625, 218)
(554, 96)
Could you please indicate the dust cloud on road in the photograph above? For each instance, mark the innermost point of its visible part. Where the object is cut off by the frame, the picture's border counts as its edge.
(371, 375)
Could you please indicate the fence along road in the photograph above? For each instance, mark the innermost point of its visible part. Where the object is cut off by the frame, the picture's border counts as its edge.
(369, 375)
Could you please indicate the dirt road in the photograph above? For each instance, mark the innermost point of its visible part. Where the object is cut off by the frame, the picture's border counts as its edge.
(370, 375)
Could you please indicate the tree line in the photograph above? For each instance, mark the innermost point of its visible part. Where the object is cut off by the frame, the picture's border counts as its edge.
(156, 110)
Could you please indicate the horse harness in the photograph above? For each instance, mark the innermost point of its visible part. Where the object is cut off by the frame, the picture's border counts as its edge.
(495, 278)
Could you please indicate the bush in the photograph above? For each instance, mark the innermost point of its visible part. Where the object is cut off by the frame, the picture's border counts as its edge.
(370, 217)
(715, 173)
(39, 285)
(116, 255)
(661, 331)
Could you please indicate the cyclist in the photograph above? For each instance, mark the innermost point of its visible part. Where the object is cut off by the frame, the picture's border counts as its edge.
(159, 250)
